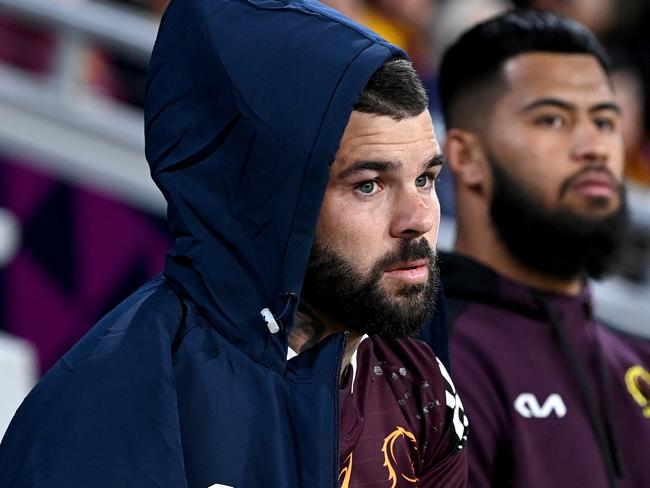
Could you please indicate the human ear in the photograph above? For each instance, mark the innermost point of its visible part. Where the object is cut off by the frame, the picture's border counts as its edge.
(466, 158)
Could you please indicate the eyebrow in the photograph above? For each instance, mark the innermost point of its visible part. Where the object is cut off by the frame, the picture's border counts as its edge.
(556, 102)
(438, 160)
(387, 166)
(615, 107)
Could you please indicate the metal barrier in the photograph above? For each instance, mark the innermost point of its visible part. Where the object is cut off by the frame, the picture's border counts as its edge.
(113, 27)
(52, 121)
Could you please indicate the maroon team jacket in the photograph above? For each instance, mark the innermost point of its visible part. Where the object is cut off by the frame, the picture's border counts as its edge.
(555, 398)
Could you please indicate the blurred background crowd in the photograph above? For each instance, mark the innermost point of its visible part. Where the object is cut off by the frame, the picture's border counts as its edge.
(82, 225)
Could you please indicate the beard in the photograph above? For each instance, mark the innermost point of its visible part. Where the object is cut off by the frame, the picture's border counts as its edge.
(335, 289)
(557, 242)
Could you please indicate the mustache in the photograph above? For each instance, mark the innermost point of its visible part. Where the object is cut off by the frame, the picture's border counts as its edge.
(566, 184)
(409, 250)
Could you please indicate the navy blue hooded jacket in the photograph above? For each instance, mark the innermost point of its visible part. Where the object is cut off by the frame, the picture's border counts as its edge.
(186, 383)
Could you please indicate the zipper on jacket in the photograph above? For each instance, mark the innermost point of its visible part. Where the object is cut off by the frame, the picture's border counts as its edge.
(336, 381)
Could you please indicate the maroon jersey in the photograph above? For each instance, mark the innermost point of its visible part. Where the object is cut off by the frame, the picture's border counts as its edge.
(402, 423)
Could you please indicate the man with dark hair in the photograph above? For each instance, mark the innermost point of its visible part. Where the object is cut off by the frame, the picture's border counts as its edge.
(382, 296)
(556, 399)
(599, 16)
(297, 157)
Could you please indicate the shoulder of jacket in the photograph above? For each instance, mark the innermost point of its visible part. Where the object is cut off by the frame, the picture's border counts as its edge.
(143, 322)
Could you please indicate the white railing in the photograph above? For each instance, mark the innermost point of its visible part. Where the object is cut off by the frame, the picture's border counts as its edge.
(117, 28)
(57, 123)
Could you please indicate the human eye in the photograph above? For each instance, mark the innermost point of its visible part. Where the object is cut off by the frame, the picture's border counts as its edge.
(425, 181)
(367, 188)
(553, 121)
(605, 123)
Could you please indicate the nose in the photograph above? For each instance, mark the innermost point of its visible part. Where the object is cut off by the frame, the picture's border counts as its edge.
(590, 144)
(414, 214)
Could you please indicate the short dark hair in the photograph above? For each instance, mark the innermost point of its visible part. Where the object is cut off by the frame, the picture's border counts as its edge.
(523, 3)
(477, 57)
(394, 90)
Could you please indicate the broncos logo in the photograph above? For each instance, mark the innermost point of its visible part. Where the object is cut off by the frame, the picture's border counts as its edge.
(346, 472)
(389, 455)
(637, 380)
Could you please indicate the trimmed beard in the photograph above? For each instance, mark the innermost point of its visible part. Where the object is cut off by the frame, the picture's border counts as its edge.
(334, 288)
(556, 242)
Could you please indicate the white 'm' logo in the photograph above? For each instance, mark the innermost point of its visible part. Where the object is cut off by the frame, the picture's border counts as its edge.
(528, 406)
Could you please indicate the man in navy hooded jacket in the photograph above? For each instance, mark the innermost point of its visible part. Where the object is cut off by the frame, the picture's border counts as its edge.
(297, 158)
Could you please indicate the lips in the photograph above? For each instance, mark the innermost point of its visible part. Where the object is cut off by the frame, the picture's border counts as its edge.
(411, 271)
(595, 184)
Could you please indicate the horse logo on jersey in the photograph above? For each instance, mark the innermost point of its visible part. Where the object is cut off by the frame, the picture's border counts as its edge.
(389, 455)
(637, 380)
(346, 472)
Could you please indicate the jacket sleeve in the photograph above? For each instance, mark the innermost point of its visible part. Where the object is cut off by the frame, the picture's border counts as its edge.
(106, 414)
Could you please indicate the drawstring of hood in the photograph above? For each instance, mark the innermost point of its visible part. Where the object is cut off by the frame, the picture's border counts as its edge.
(275, 323)
(603, 428)
(609, 412)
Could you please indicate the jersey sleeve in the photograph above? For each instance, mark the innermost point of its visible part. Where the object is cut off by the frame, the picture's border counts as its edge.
(446, 464)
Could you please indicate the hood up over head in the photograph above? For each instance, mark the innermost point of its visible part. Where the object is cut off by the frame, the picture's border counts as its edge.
(246, 104)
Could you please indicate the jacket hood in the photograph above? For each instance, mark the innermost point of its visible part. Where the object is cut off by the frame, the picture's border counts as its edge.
(466, 279)
(245, 107)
